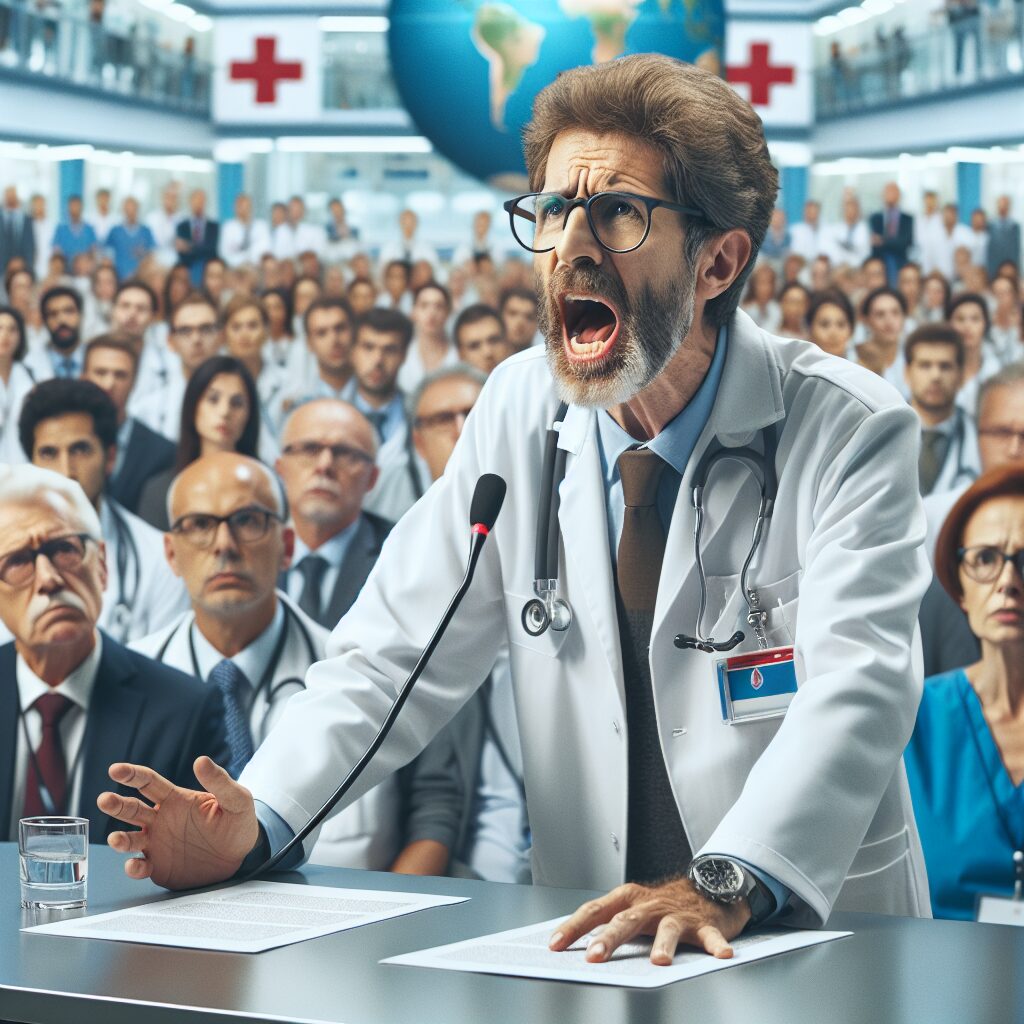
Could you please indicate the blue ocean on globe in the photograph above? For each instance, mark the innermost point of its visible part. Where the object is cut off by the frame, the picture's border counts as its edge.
(468, 70)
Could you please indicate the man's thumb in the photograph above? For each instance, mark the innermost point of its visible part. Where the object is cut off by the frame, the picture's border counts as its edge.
(232, 797)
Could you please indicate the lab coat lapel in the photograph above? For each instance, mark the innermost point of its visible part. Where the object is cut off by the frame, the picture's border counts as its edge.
(749, 398)
(582, 520)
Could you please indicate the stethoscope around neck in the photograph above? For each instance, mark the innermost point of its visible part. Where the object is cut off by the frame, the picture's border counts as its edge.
(547, 610)
(127, 550)
(266, 686)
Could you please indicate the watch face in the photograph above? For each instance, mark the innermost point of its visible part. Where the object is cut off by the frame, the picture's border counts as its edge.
(721, 878)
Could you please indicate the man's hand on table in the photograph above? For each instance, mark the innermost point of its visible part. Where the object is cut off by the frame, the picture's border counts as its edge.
(188, 838)
(673, 912)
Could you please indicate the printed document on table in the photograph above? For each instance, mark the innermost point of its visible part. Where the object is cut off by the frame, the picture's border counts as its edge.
(524, 952)
(248, 918)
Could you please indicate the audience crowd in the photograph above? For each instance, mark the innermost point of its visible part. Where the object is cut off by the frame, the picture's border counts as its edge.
(247, 408)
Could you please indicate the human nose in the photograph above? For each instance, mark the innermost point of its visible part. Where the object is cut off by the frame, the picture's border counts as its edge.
(1010, 580)
(224, 539)
(48, 578)
(1016, 446)
(577, 241)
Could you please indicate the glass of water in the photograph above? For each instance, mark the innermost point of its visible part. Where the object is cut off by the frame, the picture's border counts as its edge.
(54, 857)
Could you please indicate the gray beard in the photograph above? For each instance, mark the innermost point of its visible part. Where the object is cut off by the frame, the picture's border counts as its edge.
(652, 328)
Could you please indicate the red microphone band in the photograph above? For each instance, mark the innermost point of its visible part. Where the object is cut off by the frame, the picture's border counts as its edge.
(481, 529)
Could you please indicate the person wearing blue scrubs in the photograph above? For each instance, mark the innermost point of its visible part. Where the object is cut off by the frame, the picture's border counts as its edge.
(965, 760)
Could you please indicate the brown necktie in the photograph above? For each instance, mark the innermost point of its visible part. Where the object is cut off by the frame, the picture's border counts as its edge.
(48, 765)
(933, 454)
(657, 847)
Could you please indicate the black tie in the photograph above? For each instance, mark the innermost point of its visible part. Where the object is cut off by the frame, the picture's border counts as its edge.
(378, 418)
(312, 568)
(657, 846)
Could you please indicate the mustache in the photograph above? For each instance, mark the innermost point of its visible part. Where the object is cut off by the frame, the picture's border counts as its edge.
(588, 278)
(42, 603)
(325, 483)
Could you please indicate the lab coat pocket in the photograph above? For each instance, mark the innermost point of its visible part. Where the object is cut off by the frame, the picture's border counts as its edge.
(549, 643)
(727, 609)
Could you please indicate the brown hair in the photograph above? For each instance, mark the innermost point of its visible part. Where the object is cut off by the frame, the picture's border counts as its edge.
(1006, 481)
(935, 334)
(116, 341)
(237, 304)
(193, 299)
(713, 144)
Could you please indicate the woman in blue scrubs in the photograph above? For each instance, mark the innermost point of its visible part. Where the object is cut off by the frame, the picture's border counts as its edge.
(965, 761)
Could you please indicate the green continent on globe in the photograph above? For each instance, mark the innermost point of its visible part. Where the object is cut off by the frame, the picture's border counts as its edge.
(610, 20)
(510, 44)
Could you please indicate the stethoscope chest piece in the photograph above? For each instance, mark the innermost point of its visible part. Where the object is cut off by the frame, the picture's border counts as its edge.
(546, 610)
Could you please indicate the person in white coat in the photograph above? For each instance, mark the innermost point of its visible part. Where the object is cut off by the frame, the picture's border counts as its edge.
(380, 346)
(633, 772)
(243, 241)
(70, 426)
(16, 381)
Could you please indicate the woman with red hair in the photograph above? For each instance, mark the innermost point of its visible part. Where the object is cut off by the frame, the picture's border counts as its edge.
(965, 761)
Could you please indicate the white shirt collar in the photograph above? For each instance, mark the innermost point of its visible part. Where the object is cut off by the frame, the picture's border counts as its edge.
(251, 660)
(332, 551)
(77, 687)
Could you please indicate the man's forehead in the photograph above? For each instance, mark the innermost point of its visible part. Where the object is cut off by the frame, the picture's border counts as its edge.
(209, 488)
(327, 426)
(446, 394)
(1005, 402)
(46, 514)
(602, 161)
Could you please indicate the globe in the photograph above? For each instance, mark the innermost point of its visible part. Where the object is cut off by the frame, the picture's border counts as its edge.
(468, 70)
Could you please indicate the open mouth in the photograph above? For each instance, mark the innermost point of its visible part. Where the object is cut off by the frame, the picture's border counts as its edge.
(590, 326)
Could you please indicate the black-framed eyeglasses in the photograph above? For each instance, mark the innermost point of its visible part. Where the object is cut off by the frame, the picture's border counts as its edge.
(309, 452)
(620, 221)
(984, 563)
(247, 525)
(65, 554)
(1002, 435)
(441, 420)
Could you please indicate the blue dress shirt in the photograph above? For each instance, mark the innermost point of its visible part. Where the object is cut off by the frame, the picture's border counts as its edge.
(675, 444)
(969, 813)
(394, 414)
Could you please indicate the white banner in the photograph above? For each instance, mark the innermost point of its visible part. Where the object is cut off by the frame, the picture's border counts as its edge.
(267, 70)
(770, 63)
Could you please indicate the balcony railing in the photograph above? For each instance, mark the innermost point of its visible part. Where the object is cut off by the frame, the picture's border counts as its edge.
(37, 39)
(986, 49)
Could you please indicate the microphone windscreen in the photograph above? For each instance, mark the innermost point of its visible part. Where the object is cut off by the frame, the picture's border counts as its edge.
(487, 500)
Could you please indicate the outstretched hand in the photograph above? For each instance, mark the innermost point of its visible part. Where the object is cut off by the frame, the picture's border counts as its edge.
(673, 912)
(187, 838)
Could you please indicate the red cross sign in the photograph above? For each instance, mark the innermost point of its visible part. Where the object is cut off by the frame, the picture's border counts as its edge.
(760, 74)
(265, 70)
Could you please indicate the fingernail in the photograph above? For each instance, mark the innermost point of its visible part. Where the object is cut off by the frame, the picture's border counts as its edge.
(595, 949)
(555, 939)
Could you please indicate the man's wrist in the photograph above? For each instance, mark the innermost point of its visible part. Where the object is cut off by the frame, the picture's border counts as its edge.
(259, 854)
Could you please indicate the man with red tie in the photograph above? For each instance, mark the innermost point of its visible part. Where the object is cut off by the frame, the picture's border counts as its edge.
(71, 698)
(892, 232)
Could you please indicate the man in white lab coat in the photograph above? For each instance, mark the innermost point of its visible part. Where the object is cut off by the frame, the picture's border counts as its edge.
(634, 772)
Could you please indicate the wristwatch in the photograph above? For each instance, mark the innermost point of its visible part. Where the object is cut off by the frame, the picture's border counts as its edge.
(723, 880)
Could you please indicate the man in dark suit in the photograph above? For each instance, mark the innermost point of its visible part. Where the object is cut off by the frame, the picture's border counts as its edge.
(197, 237)
(892, 232)
(72, 700)
(328, 464)
(1003, 238)
(17, 236)
(111, 363)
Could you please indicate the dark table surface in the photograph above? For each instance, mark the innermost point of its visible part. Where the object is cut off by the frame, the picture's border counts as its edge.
(891, 971)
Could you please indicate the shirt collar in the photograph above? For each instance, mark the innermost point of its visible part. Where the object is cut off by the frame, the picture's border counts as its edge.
(332, 551)
(77, 687)
(678, 438)
(252, 661)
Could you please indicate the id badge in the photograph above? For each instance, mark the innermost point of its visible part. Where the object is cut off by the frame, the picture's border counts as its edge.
(1000, 910)
(757, 685)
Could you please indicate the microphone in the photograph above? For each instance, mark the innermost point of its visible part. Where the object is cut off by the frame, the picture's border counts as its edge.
(488, 496)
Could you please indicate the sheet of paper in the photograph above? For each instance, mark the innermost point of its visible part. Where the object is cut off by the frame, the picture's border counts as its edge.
(248, 918)
(524, 952)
